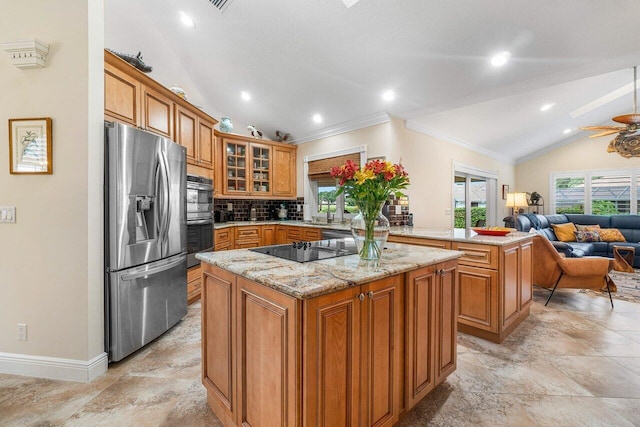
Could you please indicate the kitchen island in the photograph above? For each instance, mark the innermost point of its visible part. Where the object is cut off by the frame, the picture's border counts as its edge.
(494, 277)
(334, 342)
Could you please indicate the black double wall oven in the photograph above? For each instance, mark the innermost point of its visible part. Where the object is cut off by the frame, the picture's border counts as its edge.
(199, 217)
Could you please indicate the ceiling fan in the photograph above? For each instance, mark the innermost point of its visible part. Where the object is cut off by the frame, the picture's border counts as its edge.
(627, 143)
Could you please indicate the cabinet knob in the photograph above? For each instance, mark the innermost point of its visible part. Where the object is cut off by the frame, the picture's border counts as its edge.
(360, 296)
(370, 294)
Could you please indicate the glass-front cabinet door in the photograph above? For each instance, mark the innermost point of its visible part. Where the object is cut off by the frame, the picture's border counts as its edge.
(235, 167)
(261, 169)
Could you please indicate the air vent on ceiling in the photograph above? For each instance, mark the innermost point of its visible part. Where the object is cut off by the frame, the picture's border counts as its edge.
(221, 5)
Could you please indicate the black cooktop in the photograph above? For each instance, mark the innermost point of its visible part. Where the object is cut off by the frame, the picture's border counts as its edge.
(310, 251)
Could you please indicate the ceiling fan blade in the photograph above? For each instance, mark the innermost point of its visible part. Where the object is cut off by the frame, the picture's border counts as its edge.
(616, 128)
(605, 133)
(628, 119)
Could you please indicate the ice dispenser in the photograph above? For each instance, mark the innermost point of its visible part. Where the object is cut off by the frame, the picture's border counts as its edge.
(145, 219)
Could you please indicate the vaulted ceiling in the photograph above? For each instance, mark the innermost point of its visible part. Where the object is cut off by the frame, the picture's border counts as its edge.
(298, 58)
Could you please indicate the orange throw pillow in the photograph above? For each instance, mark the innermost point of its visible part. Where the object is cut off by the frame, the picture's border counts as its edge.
(611, 235)
(565, 232)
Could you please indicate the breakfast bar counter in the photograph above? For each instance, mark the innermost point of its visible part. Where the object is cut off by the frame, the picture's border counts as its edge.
(339, 341)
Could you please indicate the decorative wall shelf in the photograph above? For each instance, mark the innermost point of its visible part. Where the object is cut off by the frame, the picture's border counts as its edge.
(27, 54)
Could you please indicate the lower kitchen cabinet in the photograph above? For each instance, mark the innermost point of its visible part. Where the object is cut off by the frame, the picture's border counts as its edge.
(349, 357)
(247, 236)
(431, 329)
(223, 239)
(194, 284)
(361, 326)
(269, 235)
(250, 346)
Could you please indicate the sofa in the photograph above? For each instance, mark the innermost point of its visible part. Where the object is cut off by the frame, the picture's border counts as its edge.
(628, 225)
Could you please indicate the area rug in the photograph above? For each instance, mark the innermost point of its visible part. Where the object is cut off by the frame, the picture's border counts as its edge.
(628, 285)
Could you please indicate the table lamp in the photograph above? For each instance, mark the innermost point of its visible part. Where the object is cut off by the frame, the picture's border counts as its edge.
(516, 200)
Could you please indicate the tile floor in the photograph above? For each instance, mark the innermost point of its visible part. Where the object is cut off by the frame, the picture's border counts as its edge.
(573, 363)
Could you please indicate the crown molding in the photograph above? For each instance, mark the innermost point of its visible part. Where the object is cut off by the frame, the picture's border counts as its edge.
(363, 122)
(27, 54)
(417, 127)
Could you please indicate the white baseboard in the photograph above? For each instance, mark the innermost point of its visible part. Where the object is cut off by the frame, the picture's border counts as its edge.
(53, 368)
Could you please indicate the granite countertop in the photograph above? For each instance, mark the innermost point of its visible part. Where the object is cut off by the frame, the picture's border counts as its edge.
(455, 235)
(311, 279)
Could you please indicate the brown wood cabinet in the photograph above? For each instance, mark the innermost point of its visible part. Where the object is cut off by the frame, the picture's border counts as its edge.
(268, 235)
(223, 239)
(247, 236)
(431, 329)
(194, 284)
(495, 284)
(350, 357)
(284, 171)
(353, 339)
(121, 95)
(134, 98)
(495, 288)
(254, 168)
(157, 112)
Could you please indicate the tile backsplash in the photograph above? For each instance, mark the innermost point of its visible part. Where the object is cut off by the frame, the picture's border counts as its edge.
(264, 208)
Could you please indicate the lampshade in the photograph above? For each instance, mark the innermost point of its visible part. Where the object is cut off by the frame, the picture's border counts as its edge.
(516, 200)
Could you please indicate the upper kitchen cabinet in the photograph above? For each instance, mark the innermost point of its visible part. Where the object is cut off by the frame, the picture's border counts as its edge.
(134, 98)
(253, 168)
(121, 95)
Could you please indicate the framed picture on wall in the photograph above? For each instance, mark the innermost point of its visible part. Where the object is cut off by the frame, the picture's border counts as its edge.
(30, 146)
(505, 190)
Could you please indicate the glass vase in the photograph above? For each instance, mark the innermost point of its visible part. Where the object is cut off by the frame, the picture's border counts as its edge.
(370, 230)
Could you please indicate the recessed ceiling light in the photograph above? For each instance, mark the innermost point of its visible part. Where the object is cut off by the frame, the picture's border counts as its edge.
(547, 107)
(500, 59)
(389, 95)
(245, 95)
(317, 118)
(566, 131)
(187, 20)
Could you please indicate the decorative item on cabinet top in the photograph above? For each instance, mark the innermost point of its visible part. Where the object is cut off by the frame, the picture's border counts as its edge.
(178, 91)
(226, 125)
(254, 132)
(136, 61)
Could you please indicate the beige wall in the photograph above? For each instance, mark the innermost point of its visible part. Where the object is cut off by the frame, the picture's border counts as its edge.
(584, 154)
(428, 160)
(51, 259)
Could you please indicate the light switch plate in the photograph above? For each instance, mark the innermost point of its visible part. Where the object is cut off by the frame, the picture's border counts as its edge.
(8, 214)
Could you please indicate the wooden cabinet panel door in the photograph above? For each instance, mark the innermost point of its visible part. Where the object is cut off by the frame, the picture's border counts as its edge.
(157, 113)
(511, 285)
(478, 298)
(205, 143)
(281, 234)
(526, 274)
(420, 335)
(218, 341)
(268, 235)
(381, 365)
(284, 175)
(446, 320)
(186, 133)
(121, 96)
(268, 369)
(332, 354)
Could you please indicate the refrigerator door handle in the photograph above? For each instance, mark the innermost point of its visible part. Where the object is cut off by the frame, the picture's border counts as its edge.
(162, 187)
(167, 265)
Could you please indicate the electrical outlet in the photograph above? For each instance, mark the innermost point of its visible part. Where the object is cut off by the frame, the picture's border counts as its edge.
(229, 206)
(298, 208)
(22, 331)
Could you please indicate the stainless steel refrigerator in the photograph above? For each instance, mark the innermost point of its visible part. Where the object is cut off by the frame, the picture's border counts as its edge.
(145, 237)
